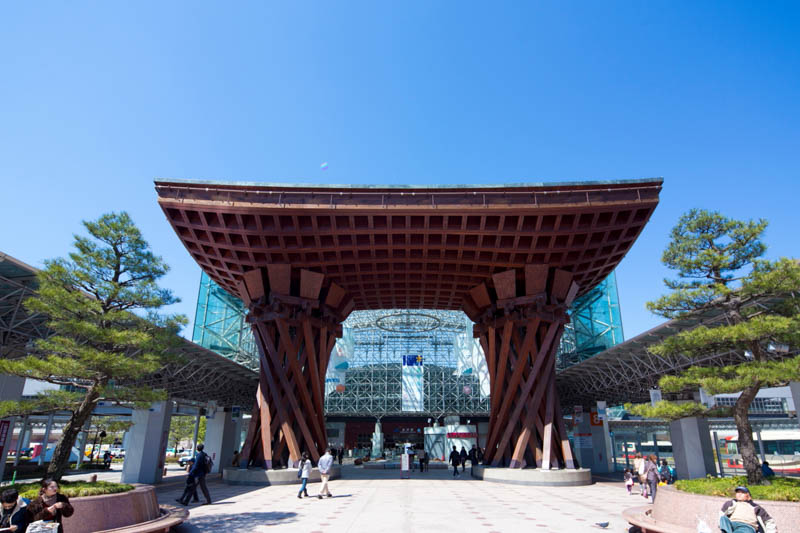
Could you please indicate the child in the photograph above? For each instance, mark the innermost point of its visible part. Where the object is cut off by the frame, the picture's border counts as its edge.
(629, 480)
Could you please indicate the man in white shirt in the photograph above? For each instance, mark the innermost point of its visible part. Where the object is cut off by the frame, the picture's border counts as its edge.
(325, 464)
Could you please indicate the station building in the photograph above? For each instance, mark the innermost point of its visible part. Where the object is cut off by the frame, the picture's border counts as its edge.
(409, 369)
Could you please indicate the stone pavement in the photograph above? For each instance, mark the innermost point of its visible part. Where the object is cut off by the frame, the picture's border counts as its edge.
(378, 501)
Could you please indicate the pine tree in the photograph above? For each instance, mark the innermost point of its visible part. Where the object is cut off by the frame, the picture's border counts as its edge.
(718, 267)
(102, 306)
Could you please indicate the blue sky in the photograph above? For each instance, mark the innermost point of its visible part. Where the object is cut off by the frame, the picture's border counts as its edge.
(98, 99)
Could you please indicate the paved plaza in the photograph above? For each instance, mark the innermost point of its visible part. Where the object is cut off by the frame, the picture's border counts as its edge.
(378, 501)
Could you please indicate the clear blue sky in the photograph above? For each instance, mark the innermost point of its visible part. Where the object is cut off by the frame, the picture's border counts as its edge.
(98, 99)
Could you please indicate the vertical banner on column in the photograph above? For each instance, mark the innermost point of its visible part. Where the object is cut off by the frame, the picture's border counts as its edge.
(413, 397)
(4, 427)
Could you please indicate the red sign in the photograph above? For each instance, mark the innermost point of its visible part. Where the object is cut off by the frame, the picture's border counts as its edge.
(462, 435)
(595, 420)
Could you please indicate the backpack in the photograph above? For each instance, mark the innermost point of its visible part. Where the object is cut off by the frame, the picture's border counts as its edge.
(209, 464)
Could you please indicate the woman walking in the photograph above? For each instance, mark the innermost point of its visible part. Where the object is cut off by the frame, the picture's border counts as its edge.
(50, 505)
(638, 469)
(652, 476)
(303, 472)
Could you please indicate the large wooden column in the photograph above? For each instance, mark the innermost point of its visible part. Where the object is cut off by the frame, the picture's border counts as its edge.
(519, 318)
(296, 318)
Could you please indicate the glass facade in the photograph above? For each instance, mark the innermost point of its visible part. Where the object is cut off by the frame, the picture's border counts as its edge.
(403, 361)
(219, 324)
(596, 324)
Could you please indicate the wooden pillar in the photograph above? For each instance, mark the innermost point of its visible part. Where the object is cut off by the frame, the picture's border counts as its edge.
(296, 318)
(519, 317)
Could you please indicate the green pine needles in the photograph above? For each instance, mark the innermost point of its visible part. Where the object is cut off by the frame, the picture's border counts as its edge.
(719, 267)
(103, 308)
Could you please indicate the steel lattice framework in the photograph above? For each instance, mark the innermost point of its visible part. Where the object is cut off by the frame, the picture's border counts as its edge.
(628, 371)
(365, 375)
(201, 375)
(17, 326)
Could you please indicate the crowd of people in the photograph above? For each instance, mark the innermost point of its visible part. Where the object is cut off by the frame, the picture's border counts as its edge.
(459, 458)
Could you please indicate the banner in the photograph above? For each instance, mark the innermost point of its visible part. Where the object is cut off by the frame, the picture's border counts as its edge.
(413, 397)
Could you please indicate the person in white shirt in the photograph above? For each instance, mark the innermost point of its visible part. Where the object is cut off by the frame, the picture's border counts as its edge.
(325, 464)
(304, 472)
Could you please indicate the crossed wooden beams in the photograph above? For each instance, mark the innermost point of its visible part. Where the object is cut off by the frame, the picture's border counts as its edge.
(296, 318)
(519, 322)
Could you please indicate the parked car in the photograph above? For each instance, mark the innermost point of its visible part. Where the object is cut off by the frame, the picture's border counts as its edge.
(185, 458)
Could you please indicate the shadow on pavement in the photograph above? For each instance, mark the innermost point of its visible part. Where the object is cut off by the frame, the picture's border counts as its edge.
(235, 522)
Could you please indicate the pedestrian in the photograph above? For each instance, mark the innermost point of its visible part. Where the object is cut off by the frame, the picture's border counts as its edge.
(766, 471)
(479, 455)
(107, 460)
(303, 472)
(423, 455)
(743, 515)
(664, 472)
(463, 457)
(629, 481)
(325, 464)
(14, 517)
(651, 475)
(638, 470)
(237, 459)
(197, 477)
(49, 505)
(473, 458)
(339, 455)
(455, 458)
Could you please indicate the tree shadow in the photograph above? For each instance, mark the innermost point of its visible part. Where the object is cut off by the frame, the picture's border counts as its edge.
(235, 522)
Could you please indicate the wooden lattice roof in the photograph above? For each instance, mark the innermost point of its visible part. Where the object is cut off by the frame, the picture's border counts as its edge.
(408, 247)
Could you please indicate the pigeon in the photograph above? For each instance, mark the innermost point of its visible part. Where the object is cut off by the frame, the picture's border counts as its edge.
(602, 524)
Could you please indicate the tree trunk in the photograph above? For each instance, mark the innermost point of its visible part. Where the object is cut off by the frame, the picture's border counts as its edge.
(747, 447)
(60, 460)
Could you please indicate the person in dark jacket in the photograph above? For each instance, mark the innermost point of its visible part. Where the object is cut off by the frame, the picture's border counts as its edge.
(766, 471)
(50, 505)
(473, 458)
(463, 456)
(742, 515)
(455, 459)
(197, 477)
(664, 472)
(14, 516)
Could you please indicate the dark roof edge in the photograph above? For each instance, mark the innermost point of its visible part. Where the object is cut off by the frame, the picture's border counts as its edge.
(521, 185)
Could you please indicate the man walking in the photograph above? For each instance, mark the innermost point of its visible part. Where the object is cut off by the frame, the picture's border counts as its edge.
(325, 463)
(473, 458)
(463, 455)
(455, 459)
(197, 476)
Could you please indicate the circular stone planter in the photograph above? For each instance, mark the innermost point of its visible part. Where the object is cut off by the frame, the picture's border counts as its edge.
(534, 476)
(679, 512)
(135, 511)
(284, 476)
